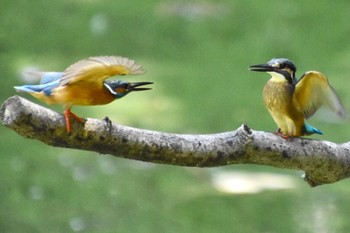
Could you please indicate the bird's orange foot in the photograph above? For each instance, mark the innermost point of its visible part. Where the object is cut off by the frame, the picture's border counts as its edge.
(67, 114)
(279, 133)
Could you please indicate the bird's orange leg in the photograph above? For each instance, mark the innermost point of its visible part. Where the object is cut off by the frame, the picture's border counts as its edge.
(67, 114)
(279, 133)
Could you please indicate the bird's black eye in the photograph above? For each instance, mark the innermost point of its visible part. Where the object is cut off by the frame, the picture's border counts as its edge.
(282, 66)
(124, 85)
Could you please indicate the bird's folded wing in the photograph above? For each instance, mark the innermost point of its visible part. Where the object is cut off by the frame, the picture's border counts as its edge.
(313, 91)
(97, 69)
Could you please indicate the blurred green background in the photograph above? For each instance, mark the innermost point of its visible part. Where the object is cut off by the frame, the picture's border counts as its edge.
(197, 53)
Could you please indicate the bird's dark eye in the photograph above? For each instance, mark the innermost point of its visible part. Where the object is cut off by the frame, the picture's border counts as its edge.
(124, 85)
(282, 66)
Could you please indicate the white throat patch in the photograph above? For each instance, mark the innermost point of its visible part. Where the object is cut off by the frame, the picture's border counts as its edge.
(277, 77)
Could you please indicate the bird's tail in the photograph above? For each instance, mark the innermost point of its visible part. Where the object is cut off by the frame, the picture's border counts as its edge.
(311, 130)
(46, 88)
(48, 81)
(29, 88)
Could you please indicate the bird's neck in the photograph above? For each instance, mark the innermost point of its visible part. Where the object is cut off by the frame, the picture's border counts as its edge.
(278, 78)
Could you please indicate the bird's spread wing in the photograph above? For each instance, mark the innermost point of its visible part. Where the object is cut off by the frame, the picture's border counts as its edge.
(313, 91)
(97, 69)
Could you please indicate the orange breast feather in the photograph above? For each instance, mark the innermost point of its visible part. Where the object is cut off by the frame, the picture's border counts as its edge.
(82, 94)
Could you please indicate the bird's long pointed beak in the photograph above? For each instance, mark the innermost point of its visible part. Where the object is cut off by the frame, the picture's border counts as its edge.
(134, 86)
(262, 68)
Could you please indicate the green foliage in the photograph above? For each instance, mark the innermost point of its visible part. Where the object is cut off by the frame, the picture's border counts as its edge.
(197, 53)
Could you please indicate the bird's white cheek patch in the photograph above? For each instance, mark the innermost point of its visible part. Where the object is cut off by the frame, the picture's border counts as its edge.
(110, 89)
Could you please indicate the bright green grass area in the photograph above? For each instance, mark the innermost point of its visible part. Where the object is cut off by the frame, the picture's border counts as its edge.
(197, 53)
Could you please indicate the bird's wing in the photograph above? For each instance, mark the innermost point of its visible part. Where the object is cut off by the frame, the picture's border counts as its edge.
(313, 91)
(97, 69)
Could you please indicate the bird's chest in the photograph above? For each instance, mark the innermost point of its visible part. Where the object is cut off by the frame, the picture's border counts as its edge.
(278, 96)
(83, 94)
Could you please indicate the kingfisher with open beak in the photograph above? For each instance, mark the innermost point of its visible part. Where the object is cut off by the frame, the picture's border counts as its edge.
(84, 83)
(291, 101)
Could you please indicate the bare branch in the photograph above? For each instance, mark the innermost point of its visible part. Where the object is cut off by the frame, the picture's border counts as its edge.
(323, 161)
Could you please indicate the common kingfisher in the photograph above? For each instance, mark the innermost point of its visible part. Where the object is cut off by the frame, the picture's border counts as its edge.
(291, 101)
(84, 83)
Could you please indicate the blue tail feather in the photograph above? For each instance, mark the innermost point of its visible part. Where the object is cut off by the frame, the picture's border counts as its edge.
(29, 88)
(46, 88)
(311, 130)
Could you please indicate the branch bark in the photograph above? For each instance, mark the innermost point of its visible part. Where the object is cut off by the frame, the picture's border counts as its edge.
(323, 162)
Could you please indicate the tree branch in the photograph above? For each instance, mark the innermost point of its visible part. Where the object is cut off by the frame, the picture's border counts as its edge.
(323, 162)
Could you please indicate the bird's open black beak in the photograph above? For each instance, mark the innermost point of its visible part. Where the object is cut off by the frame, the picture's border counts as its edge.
(262, 68)
(134, 86)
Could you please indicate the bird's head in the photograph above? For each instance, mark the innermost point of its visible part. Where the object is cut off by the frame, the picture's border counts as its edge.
(281, 68)
(121, 88)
